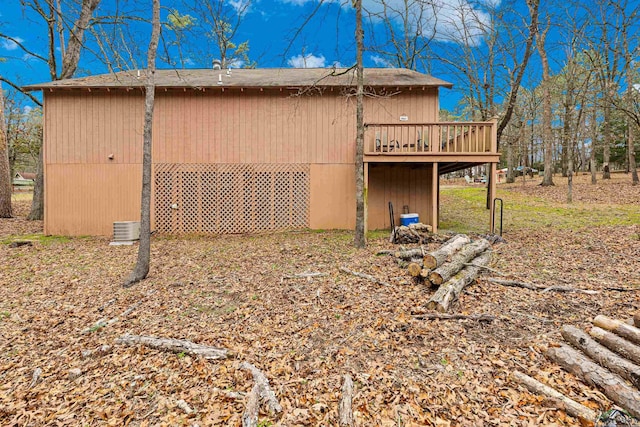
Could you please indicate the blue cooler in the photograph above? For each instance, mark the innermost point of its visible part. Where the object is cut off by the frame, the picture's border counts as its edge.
(410, 218)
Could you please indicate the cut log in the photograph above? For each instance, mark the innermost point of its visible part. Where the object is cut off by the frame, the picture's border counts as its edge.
(619, 328)
(636, 320)
(414, 233)
(447, 270)
(267, 396)
(345, 411)
(410, 253)
(605, 357)
(414, 269)
(568, 405)
(449, 292)
(593, 374)
(175, 346)
(624, 348)
(435, 259)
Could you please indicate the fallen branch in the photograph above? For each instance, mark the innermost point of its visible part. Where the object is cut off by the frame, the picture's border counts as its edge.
(175, 346)
(570, 406)
(104, 322)
(263, 390)
(542, 289)
(619, 328)
(569, 289)
(445, 316)
(345, 411)
(305, 275)
(364, 276)
(514, 284)
(233, 395)
(601, 354)
(252, 409)
(614, 387)
(36, 377)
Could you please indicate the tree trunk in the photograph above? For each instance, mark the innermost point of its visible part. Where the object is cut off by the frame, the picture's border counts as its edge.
(606, 143)
(619, 328)
(547, 134)
(603, 355)
(360, 237)
(438, 257)
(5, 172)
(613, 342)
(72, 53)
(632, 154)
(37, 203)
(593, 374)
(594, 143)
(570, 406)
(144, 249)
(449, 292)
(447, 270)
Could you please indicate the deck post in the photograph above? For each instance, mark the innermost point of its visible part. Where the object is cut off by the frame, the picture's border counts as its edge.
(435, 196)
(492, 194)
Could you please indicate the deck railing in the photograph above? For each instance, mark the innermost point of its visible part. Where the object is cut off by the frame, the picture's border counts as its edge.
(429, 138)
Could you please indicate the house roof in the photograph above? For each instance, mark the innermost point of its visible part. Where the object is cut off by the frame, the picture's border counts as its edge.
(251, 78)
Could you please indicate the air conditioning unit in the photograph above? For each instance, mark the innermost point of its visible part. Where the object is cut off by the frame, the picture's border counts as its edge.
(126, 231)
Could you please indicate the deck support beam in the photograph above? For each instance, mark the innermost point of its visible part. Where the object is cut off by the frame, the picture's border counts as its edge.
(435, 197)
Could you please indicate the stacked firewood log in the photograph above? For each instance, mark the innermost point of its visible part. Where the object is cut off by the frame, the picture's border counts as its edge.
(451, 268)
(412, 233)
(607, 357)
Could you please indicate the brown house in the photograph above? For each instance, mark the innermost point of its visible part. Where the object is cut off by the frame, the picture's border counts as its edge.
(249, 149)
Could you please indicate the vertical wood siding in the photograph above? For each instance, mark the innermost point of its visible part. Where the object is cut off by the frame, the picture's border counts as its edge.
(403, 185)
(87, 191)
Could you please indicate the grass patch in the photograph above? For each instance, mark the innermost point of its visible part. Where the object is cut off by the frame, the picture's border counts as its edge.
(463, 210)
(19, 197)
(38, 237)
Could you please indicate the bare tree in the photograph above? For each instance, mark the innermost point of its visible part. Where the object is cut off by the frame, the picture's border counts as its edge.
(217, 21)
(65, 40)
(5, 174)
(409, 28)
(547, 132)
(360, 232)
(144, 249)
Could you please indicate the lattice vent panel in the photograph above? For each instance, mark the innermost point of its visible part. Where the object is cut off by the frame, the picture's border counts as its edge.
(230, 198)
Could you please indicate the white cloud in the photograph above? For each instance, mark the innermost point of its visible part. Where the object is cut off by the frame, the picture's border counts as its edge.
(241, 7)
(381, 62)
(27, 109)
(460, 21)
(10, 44)
(308, 60)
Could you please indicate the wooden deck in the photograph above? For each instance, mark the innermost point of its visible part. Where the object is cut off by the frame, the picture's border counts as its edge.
(455, 145)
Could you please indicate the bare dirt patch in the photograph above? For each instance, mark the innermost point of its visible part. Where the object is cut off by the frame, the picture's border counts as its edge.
(304, 334)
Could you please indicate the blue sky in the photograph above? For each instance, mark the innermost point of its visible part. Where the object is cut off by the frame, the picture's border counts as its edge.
(271, 27)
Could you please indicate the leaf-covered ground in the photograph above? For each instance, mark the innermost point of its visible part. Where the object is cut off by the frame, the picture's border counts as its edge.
(305, 334)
